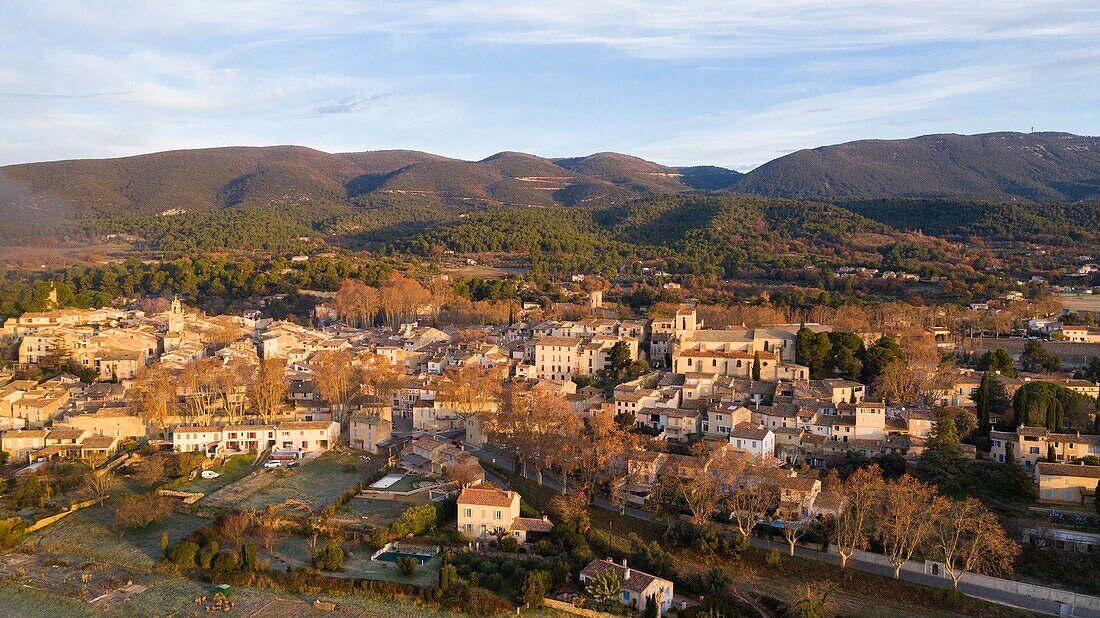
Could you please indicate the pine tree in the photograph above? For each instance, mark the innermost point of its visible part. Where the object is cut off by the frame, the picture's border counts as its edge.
(982, 401)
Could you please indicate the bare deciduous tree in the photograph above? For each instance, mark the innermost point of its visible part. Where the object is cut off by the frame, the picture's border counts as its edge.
(96, 486)
(860, 495)
(357, 303)
(268, 388)
(748, 504)
(335, 380)
(472, 389)
(906, 519)
(153, 396)
(969, 538)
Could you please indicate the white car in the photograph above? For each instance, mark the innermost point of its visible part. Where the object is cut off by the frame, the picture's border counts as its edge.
(210, 474)
(274, 463)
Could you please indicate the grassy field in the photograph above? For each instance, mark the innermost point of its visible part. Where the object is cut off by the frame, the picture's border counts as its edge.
(91, 534)
(316, 483)
(234, 469)
(380, 513)
(166, 595)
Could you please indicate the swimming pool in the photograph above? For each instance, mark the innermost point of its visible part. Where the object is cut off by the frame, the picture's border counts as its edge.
(393, 550)
(392, 556)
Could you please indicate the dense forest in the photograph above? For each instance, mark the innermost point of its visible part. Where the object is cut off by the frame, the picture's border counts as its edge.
(207, 282)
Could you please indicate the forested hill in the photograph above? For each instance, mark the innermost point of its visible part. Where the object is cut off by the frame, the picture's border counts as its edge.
(1036, 167)
(218, 178)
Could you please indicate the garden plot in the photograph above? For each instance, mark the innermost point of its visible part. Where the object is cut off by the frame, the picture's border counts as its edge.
(295, 552)
(376, 512)
(313, 486)
(234, 469)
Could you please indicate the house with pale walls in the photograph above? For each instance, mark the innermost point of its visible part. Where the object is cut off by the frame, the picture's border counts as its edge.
(720, 419)
(39, 406)
(562, 358)
(107, 420)
(1033, 444)
(1080, 334)
(676, 424)
(20, 443)
(366, 431)
(752, 439)
(487, 510)
(300, 437)
(796, 497)
(1063, 483)
(638, 588)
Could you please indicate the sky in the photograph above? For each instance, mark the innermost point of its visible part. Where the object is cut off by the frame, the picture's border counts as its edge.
(733, 83)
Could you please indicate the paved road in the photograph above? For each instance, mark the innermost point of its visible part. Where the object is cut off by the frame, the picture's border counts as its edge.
(907, 574)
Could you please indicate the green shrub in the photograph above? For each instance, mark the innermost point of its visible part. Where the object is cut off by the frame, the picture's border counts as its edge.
(225, 562)
(248, 557)
(206, 556)
(329, 558)
(509, 544)
(448, 577)
(535, 587)
(183, 554)
(407, 565)
(772, 558)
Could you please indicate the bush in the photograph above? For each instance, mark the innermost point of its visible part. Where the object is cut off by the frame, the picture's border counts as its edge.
(183, 555)
(329, 558)
(535, 587)
(417, 520)
(206, 556)
(480, 602)
(772, 558)
(225, 562)
(248, 557)
(407, 565)
(509, 544)
(544, 548)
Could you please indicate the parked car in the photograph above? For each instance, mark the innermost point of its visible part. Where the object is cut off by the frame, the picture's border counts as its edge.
(274, 463)
(210, 474)
(294, 464)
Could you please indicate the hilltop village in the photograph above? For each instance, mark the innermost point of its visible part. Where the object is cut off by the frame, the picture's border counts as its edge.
(380, 443)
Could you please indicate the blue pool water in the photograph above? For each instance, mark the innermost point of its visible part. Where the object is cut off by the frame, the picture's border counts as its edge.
(392, 556)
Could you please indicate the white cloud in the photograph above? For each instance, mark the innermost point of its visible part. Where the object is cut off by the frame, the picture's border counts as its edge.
(884, 110)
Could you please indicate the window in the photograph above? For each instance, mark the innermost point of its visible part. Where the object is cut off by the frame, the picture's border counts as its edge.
(1034, 450)
(497, 516)
(469, 512)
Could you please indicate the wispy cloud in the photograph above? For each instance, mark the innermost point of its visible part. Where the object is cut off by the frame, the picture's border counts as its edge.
(691, 81)
(351, 104)
(870, 111)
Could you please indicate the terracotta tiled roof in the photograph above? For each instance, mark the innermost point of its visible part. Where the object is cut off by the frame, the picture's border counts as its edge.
(1061, 469)
(486, 496)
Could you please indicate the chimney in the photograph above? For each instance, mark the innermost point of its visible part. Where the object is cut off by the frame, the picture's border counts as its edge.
(626, 575)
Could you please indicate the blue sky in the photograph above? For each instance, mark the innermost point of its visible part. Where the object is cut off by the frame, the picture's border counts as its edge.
(732, 83)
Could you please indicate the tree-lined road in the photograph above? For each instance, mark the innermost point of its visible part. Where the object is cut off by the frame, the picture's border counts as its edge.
(912, 572)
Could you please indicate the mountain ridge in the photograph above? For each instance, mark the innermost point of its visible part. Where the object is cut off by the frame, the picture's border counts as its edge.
(1004, 166)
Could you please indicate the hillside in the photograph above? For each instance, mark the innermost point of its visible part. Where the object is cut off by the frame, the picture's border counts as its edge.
(728, 236)
(216, 178)
(1039, 167)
